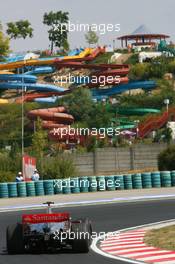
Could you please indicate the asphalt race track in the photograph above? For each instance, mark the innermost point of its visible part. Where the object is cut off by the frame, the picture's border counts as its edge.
(109, 217)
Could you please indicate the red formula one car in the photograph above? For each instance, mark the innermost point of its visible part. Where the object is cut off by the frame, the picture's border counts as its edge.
(49, 231)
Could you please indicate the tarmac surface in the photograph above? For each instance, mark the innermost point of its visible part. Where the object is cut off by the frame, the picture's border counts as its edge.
(105, 218)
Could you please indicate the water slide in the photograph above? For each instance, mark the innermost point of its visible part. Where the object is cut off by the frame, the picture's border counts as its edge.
(32, 96)
(145, 85)
(42, 61)
(56, 118)
(163, 47)
(98, 94)
(155, 122)
(55, 114)
(88, 55)
(27, 82)
(31, 86)
(122, 68)
(48, 100)
(4, 101)
(136, 111)
(18, 78)
(116, 72)
(40, 70)
(101, 80)
(123, 122)
(14, 81)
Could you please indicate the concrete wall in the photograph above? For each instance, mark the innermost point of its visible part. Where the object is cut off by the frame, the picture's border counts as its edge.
(115, 160)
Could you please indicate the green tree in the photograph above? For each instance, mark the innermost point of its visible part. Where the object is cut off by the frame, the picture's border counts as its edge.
(39, 143)
(4, 43)
(139, 71)
(100, 116)
(91, 37)
(19, 29)
(58, 31)
(61, 166)
(79, 103)
(166, 159)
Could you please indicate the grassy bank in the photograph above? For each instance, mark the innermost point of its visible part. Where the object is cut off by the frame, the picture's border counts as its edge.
(163, 238)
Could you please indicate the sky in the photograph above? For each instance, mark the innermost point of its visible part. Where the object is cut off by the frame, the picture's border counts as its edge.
(157, 15)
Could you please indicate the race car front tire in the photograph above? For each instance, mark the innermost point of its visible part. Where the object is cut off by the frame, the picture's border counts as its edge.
(82, 236)
(14, 238)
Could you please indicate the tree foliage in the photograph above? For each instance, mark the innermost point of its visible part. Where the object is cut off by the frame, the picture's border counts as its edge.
(166, 159)
(58, 31)
(58, 167)
(19, 29)
(39, 140)
(4, 43)
(91, 37)
(11, 125)
(79, 103)
(150, 100)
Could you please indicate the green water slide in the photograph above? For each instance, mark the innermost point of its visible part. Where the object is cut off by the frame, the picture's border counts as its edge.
(136, 111)
(164, 47)
(124, 123)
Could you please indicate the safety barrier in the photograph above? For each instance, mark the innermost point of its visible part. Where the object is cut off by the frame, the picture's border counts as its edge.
(155, 179)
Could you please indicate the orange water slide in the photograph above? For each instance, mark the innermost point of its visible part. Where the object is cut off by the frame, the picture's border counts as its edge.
(55, 114)
(55, 119)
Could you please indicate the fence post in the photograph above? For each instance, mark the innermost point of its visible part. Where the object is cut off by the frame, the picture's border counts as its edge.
(95, 161)
(131, 150)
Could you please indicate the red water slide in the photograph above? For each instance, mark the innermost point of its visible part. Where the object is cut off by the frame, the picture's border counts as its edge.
(30, 97)
(124, 68)
(100, 70)
(155, 122)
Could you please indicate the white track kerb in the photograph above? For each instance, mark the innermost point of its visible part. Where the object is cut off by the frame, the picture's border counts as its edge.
(96, 241)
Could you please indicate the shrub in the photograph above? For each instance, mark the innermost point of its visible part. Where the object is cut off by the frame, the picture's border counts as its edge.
(139, 71)
(171, 67)
(7, 176)
(61, 166)
(166, 159)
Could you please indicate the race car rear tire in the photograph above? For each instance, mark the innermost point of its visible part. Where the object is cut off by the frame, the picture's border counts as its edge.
(82, 236)
(14, 238)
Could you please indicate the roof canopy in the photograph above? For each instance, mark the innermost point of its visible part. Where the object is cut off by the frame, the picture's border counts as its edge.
(143, 31)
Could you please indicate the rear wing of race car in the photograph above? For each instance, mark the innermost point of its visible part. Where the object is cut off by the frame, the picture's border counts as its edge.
(45, 218)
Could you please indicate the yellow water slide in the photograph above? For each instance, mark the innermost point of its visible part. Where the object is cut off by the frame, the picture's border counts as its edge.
(20, 64)
(3, 101)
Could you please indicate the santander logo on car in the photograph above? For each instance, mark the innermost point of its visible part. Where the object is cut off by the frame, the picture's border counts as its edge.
(41, 218)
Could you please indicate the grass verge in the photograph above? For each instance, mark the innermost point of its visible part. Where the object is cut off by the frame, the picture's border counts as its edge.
(163, 238)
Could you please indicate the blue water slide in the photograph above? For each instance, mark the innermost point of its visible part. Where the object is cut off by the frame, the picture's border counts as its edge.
(71, 53)
(31, 86)
(100, 97)
(74, 52)
(18, 78)
(50, 100)
(41, 70)
(15, 58)
(145, 85)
